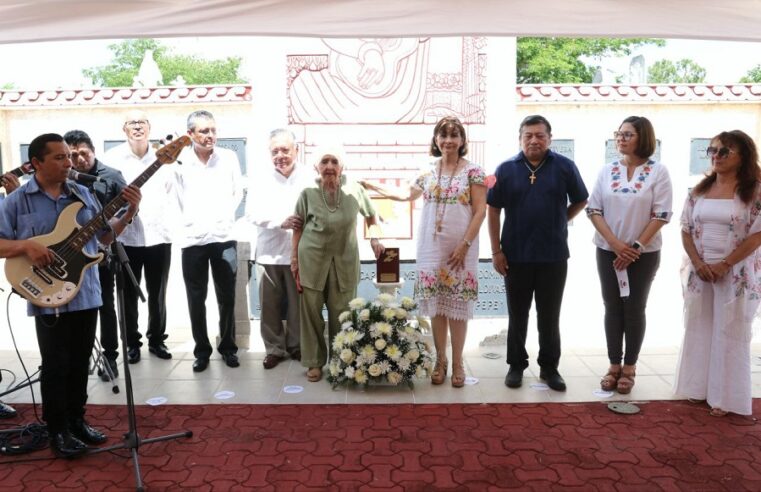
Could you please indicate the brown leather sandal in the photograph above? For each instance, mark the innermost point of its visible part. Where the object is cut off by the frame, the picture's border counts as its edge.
(314, 374)
(458, 375)
(439, 373)
(609, 382)
(717, 412)
(626, 382)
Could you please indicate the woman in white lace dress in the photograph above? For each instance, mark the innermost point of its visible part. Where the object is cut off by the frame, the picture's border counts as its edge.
(721, 234)
(447, 242)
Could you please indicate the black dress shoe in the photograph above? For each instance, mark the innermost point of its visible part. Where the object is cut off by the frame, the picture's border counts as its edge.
(65, 445)
(114, 370)
(133, 355)
(271, 360)
(553, 378)
(514, 378)
(231, 360)
(7, 411)
(160, 351)
(86, 433)
(200, 364)
(296, 355)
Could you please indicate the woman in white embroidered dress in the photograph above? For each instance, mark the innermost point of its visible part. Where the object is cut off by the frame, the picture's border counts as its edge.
(454, 207)
(721, 234)
(630, 203)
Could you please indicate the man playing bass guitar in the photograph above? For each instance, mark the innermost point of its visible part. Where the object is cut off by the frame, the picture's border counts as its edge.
(65, 334)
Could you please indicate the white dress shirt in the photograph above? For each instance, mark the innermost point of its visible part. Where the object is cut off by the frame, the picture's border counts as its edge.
(209, 195)
(157, 215)
(271, 199)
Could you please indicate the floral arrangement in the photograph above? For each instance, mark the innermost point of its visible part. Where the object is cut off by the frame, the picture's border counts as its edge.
(379, 341)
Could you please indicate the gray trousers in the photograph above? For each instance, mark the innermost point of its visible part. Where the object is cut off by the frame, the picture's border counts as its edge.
(276, 283)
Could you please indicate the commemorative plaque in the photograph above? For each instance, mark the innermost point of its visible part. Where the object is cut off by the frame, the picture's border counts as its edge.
(388, 266)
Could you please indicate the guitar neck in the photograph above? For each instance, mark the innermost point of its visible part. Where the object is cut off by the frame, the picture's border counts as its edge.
(100, 221)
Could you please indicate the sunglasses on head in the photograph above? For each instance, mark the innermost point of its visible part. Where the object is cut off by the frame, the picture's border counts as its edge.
(719, 152)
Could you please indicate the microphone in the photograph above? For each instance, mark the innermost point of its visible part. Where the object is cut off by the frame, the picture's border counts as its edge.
(85, 179)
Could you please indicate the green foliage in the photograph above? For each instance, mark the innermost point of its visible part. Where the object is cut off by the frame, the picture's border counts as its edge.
(8, 86)
(128, 54)
(753, 75)
(685, 71)
(559, 60)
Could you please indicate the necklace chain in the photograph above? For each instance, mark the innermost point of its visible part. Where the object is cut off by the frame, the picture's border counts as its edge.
(325, 200)
(440, 215)
(533, 172)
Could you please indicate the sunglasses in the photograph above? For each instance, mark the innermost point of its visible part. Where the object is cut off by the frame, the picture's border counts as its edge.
(719, 152)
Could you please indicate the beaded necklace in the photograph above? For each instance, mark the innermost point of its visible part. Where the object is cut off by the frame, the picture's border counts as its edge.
(440, 214)
(325, 200)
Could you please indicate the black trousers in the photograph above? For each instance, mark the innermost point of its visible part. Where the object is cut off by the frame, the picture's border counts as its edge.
(545, 283)
(155, 261)
(109, 332)
(625, 318)
(65, 343)
(222, 258)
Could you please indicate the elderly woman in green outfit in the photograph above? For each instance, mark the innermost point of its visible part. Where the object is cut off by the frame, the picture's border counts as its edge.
(325, 257)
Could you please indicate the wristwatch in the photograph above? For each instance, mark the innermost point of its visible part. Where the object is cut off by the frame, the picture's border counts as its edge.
(637, 245)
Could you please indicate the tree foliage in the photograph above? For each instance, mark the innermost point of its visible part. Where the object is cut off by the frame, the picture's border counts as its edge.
(128, 54)
(685, 71)
(753, 75)
(560, 60)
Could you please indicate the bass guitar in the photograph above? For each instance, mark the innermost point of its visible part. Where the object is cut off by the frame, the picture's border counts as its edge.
(56, 284)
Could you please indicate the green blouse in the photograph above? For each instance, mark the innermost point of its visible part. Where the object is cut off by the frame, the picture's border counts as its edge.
(331, 236)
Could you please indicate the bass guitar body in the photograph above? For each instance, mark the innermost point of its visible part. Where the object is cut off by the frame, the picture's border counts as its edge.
(56, 284)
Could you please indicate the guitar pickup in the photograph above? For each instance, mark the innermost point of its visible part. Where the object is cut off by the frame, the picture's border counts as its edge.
(42, 275)
(31, 287)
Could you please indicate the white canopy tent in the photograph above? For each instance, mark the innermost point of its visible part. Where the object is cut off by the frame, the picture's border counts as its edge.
(49, 20)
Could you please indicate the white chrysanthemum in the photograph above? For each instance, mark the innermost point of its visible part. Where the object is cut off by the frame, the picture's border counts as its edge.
(385, 299)
(360, 361)
(380, 344)
(334, 369)
(385, 366)
(389, 313)
(357, 303)
(420, 372)
(347, 355)
(349, 371)
(412, 355)
(403, 364)
(368, 353)
(374, 370)
(393, 352)
(394, 377)
(383, 328)
(352, 337)
(345, 316)
(338, 341)
(400, 313)
(409, 330)
(408, 303)
(364, 315)
(360, 377)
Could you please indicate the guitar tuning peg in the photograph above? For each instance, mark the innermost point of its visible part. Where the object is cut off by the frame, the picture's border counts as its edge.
(169, 138)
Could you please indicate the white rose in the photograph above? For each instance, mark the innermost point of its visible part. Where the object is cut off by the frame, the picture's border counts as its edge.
(364, 315)
(357, 303)
(374, 370)
(346, 315)
(380, 344)
(346, 325)
(347, 355)
(412, 355)
(420, 372)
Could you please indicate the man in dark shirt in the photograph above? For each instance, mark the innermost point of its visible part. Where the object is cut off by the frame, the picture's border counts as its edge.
(535, 188)
(110, 185)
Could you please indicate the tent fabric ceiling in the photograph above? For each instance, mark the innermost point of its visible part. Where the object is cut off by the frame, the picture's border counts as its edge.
(49, 20)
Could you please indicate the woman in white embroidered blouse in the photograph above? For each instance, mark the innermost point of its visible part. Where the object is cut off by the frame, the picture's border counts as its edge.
(721, 234)
(630, 203)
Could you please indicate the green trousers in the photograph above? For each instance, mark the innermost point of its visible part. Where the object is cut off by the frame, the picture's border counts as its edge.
(314, 352)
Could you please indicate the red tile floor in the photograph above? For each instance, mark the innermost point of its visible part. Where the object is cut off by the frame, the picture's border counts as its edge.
(669, 445)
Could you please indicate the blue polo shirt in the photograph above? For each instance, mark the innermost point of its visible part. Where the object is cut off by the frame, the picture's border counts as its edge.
(29, 212)
(535, 229)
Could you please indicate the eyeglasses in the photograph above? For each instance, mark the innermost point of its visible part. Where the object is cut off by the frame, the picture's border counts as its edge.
(721, 153)
(625, 136)
(136, 123)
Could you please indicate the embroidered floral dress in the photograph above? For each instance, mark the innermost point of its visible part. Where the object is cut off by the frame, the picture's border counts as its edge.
(440, 290)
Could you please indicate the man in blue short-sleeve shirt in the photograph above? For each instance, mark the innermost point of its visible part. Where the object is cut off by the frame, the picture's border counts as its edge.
(540, 192)
(65, 335)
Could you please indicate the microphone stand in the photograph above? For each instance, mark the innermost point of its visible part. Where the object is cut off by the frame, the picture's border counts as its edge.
(132, 439)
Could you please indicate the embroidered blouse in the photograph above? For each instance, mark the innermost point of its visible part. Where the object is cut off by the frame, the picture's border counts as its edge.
(629, 205)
